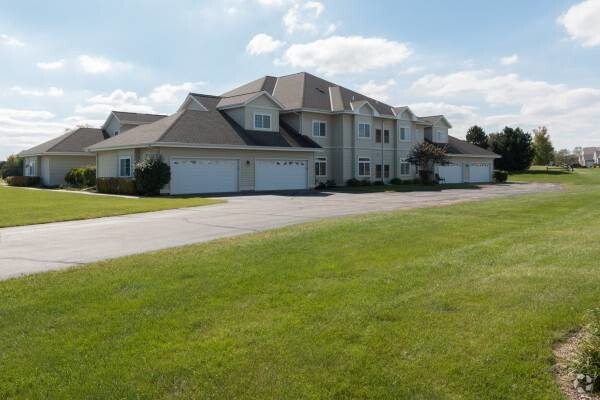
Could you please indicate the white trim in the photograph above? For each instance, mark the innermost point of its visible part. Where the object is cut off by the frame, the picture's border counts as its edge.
(251, 99)
(474, 155)
(407, 134)
(400, 168)
(270, 128)
(312, 127)
(360, 104)
(208, 146)
(358, 162)
(74, 154)
(358, 130)
(130, 166)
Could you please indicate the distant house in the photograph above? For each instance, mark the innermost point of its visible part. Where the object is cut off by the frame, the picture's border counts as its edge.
(589, 156)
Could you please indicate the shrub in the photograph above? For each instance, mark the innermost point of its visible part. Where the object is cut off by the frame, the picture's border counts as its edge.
(378, 183)
(23, 181)
(13, 166)
(81, 176)
(325, 185)
(151, 176)
(331, 183)
(396, 181)
(116, 186)
(587, 361)
(353, 182)
(500, 176)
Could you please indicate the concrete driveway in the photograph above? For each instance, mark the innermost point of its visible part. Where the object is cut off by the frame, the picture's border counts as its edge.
(37, 248)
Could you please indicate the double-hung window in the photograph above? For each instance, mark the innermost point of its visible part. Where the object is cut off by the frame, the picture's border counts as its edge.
(262, 121)
(320, 166)
(364, 130)
(386, 171)
(386, 136)
(404, 168)
(404, 134)
(439, 136)
(364, 166)
(319, 129)
(377, 135)
(125, 167)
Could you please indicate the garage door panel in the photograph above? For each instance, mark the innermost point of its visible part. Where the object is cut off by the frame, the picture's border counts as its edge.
(479, 172)
(450, 173)
(203, 175)
(281, 174)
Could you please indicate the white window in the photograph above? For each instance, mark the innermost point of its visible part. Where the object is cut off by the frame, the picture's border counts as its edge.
(439, 136)
(152, 156)
(124, 167)
(262, 121)
(405, 134)
(319, 128)
(404, 168)
(320, 166)
(364, 130)
(364, 167)
(30, 168)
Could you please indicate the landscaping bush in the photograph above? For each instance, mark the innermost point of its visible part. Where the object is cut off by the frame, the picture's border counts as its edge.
(378, 183)
(396, 181)
(355, 182)
(326, 185)
(22, 181)
(151, 176)
(81, 176)
(116, 186)
(587, 361)
(500, 176)
(331, 183)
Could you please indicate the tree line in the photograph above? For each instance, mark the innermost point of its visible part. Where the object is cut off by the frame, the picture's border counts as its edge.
(519, 149)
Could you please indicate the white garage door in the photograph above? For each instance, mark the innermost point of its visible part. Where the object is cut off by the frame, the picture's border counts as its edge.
(450, 173)
(281, 174)
(203, 175)
(479, 172)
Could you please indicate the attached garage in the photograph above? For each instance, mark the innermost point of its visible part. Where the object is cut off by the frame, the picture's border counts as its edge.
(204, 175)
(451, 173)
(281, 174)
(479, 172)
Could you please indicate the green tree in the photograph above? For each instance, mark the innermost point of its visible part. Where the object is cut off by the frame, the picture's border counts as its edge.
(477, 136)
(515, 148)
(542, 146)
(425, 155)
(12, 167)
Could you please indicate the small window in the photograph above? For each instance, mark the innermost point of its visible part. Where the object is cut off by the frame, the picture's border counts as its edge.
(364, 167)
(386, 136)
(364, 130)
(386, 171)
(125, 167)
(262, 121)
(152, 156)
(404, 168)
(404, 134)
(320, 166)
(378, 171)
(377, 135)
(319, 128)
(440, 135)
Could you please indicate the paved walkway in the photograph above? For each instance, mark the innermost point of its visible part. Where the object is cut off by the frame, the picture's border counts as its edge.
(37, 248)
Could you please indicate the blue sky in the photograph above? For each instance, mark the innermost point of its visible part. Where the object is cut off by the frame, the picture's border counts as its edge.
(493, 64)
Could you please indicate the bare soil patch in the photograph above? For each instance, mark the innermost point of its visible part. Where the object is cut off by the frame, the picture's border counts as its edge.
(564, 353)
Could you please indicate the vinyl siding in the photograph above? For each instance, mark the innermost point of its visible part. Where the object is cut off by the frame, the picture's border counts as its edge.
(58, 166)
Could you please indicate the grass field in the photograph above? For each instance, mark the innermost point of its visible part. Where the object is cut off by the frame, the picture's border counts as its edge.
(24, 206)
(459, 302)
(580, 176)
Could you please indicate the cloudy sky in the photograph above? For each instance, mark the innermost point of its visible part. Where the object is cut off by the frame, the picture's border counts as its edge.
(525, 63)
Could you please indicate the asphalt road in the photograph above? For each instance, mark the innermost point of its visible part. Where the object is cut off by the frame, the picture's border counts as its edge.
(45, 247)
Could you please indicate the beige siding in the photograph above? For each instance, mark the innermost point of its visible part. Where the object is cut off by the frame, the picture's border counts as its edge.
(263, 105)
(238, 115)
(106, 164)
(58, 166)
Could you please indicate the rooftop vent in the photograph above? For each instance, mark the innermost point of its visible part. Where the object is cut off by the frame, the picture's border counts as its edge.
(320, 90)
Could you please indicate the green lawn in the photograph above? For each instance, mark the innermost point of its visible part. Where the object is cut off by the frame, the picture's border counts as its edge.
(580, 176)
(21, 206)
(459, 302)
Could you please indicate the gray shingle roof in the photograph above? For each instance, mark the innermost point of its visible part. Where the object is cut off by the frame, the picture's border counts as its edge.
(136, 118)
(74, 141)
(460, 147)
(212, 127)
(589, 151)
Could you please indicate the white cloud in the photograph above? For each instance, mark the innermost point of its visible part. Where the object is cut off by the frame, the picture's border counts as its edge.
(302, 17)
(346, 54)
(411, 70)
(378, 91)
(263, 44)
(509, 60)
(50, 65)
(117, 100)
(582, 22)
(271, 3)
(6, 40)
(100, 65)
(169, 93)
(331, 28)
(50, 92)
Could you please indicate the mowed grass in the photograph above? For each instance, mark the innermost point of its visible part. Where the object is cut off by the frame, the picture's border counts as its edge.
(459, 302)
(25, 206)
(580, 176)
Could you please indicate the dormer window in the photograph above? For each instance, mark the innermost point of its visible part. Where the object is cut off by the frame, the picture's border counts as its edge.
(262, 121)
